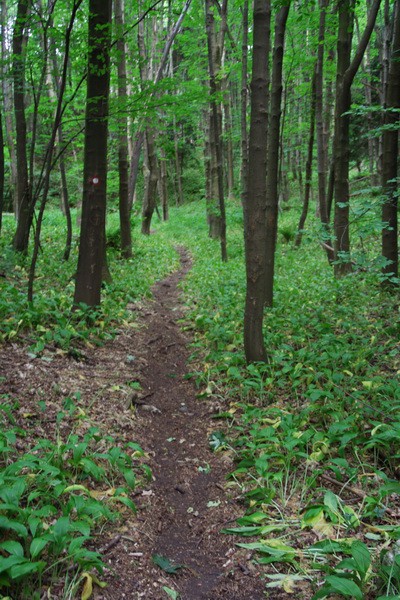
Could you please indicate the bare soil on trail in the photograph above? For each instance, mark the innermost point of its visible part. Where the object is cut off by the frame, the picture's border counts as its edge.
(182, 510)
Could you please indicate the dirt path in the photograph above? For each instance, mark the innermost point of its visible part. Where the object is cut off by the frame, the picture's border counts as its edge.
(187, 505)
(182, 510)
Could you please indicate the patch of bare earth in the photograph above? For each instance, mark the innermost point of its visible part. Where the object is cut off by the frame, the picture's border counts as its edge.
(182, 510)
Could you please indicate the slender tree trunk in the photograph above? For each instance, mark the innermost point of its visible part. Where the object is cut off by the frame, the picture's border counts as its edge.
(228, 136)
(346, 72)
(150, 193)
(134, 168)
(273, 151)
(44, 179)
(255, 199)
(65, 207)
(322, 155)
(214, 62)
(23, 204)
(92, 239)
(163, 192)
(8, 103)
(243, 103)
(123, 162)
(1, 171)
(307, 190)
(390, 147)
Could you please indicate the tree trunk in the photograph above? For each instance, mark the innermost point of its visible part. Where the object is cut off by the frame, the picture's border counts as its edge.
(23, 204)
(273, 151)
(254, 201)
(92, 239)
(390, 148)
(1, 171)
(243, 103)
(65, 207)
(150, 192)
(307, 190)
(163, 191)
(346, 72)
(8, 103)
(214, 64)
(322, 158)
(123, 161)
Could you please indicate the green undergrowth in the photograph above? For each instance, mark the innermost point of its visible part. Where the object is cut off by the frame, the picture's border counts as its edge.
(54, 497)
(315, 432)
(50, 320)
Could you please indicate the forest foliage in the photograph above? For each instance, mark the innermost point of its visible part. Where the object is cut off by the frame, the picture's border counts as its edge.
(312, 425)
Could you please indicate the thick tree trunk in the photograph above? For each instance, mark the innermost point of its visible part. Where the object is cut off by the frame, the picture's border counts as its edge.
(346, 72)
(123, 160)
(23, 204)
(243, 102)
(92, 239)
(273, 151)
(390, 148)
(254, 202)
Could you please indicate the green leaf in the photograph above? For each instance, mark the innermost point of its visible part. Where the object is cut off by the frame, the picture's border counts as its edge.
(362, 557)
(27, 567)
(61, 528)
(37, 546)
(6, 523)
(346, 587)
(171, 593)
(10, 561)
(12, 547)
(165, 564)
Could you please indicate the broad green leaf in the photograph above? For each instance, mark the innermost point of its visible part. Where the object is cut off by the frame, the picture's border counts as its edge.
(10, 561)
(251, 530)
(37, 546)
(25, 568)
(256, 517)
(6, 523)
(61, 528)
(165, 564)
(330, 500)
(12, 547)
(171, 593)
(346, 587)
(362, 557)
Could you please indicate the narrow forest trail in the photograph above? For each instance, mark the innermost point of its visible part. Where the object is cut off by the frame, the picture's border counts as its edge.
(182, 512)
(134, 389)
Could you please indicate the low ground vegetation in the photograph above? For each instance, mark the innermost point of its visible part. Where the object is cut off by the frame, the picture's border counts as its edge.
(313, 434)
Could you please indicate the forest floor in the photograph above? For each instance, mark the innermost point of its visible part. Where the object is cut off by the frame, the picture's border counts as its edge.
(184, 507)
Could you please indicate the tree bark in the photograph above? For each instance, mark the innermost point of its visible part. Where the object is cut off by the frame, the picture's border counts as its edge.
(8, 104)
(307, 189)
(23, 204)
(1, 171)
(322, 158)
(254, 201)
(346, 72)
(273, 151)
(243, 102)
(214, 63)
(390, 148)
(123, 160)
(92, 239)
